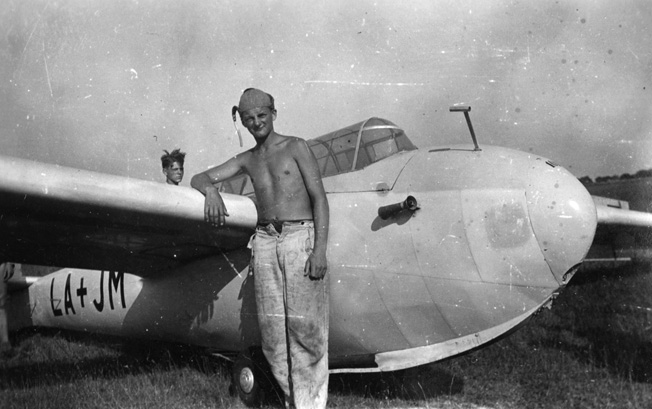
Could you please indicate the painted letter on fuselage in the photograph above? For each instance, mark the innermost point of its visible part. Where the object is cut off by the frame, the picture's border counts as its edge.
(67, 301)
(99, 306)
(117, 279)
(56, 311)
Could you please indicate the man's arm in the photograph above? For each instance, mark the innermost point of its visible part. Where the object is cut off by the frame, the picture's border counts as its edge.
(317, 265)
(214, 209)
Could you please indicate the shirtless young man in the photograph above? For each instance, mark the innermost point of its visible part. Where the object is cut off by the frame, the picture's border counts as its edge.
(288, 250)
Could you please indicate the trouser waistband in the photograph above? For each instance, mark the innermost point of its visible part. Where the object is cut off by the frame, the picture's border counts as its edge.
(278, 224)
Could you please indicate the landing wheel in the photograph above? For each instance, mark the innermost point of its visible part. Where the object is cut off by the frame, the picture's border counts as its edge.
(250, 379)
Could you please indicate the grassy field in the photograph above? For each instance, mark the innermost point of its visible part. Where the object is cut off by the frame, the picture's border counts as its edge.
(592, 349)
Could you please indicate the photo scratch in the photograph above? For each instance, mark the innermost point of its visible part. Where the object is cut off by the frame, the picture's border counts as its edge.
(229, 261)
(47, 72)
(34, 29)
(336, 82)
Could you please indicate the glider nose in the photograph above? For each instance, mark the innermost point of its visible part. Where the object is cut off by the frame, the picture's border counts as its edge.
(563, 216)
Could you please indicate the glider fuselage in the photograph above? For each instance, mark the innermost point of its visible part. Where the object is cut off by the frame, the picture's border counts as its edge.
(495, 235)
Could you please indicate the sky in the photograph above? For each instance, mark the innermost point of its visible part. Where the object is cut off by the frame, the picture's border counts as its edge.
(108, 85)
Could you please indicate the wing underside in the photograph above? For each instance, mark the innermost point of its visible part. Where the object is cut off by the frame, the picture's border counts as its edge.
(57, 216)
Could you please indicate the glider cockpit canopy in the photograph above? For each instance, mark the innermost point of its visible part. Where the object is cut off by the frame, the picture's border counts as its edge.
(345, 150)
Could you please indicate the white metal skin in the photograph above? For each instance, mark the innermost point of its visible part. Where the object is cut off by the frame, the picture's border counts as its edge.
(80, 187)
(495, 236)
(93, 220)
(609, 215)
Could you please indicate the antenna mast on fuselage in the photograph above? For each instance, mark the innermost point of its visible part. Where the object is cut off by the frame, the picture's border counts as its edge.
(466, 110)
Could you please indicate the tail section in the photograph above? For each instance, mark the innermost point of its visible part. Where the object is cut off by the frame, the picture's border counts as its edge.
(13, 277)
(15, 280)
(7, 271)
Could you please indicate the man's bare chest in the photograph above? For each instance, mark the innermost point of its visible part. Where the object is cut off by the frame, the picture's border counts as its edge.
(274, 171)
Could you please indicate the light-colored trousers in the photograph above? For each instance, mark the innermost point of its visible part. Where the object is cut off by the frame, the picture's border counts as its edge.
(292, 312)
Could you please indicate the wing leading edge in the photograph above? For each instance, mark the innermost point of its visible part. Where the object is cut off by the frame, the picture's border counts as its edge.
(622, 234)
(59, 216)
(623, 217)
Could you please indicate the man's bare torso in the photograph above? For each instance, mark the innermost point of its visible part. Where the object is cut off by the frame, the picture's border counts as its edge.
(280, 189)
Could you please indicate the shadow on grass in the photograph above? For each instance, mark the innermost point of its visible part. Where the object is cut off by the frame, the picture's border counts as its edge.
(418, 383)
(66, 359)
(604, 318)
(415, 384)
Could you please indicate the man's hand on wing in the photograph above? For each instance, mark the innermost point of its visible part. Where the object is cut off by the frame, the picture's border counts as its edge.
(214, 209)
